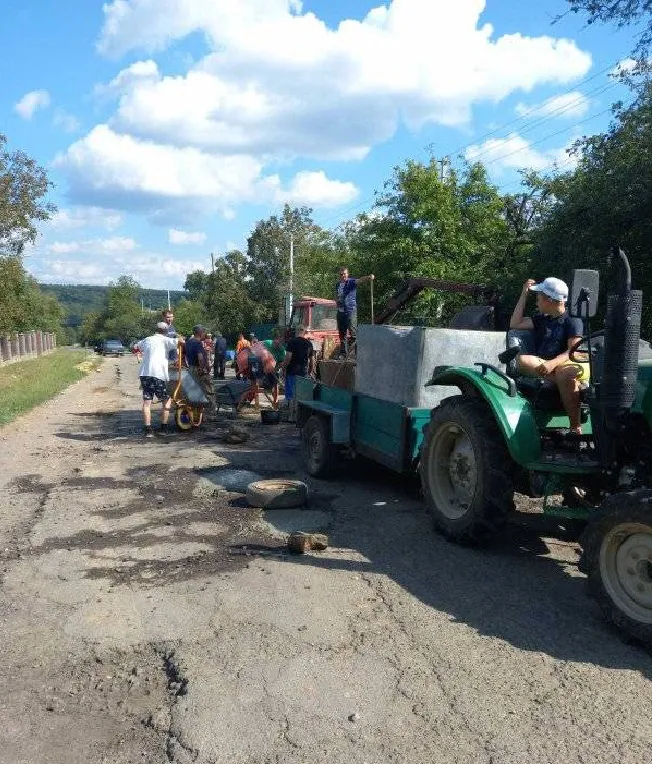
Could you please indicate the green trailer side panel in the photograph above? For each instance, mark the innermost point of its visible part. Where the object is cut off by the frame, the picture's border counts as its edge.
(380, 431)
(305, 389)
(514, 416)
(418, 420)
(335, 397)
(381, 416)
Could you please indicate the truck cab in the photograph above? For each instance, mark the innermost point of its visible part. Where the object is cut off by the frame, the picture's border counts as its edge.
(319, 316)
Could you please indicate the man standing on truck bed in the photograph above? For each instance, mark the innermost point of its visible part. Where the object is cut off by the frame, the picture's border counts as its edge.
(347, 306)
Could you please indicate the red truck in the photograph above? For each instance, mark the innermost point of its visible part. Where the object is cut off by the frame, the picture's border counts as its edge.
(319, 316)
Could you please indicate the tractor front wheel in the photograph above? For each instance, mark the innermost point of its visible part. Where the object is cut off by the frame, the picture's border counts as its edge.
(617, 557)
(465, 471)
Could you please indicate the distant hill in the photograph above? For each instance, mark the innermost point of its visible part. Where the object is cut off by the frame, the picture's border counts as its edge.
(80, 299)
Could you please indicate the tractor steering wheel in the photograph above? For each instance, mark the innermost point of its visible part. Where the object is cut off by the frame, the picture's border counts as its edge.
(581, 346)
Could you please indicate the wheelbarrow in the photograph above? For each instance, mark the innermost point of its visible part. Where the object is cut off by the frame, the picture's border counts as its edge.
(187, 396)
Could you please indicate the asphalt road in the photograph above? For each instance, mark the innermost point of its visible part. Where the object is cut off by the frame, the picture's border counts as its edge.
(148, 615)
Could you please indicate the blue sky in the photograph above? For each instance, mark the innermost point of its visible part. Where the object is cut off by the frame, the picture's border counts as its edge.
(170, 126)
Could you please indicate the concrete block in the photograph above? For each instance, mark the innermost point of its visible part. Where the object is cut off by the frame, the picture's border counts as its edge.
(395, 362)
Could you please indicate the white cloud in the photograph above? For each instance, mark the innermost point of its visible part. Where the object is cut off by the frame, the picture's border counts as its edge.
(138, 72)
(116, 245)
(280, 85)
(113, 170)
(151, 269)
(284, 83)
(314, 189)
(565, 106)
(515, 152)
(31, 102)
(85, 217)
(185, 237)
(67, 122)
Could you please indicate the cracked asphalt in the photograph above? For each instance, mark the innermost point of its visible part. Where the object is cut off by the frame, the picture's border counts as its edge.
(147, 614)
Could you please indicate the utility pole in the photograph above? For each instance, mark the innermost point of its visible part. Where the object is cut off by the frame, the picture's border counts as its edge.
(169, 306)
(291, 269)
(212, 263)
(442, 164)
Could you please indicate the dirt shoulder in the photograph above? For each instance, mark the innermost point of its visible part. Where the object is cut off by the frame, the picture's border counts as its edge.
(149, 615)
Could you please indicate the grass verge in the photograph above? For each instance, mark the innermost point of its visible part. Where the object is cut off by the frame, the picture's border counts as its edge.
(26, 384)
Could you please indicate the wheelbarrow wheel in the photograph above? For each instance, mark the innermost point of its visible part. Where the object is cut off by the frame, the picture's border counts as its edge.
(183, 418)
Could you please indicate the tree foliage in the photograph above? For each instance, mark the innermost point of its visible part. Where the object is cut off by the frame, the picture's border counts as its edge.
(606, 201)
(23, 306)
(622, 13)
(458, 228)
(122, 316)
(23, 188)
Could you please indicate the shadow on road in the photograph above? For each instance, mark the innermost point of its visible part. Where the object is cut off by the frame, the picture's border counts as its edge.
(517, 590)
(520, 590)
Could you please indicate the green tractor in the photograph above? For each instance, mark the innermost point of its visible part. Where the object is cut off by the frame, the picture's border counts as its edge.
(506, 433)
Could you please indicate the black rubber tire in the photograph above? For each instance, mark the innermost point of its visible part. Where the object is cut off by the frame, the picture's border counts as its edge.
(492, 497)
(632, 510)
(318, 454)
(277, 494)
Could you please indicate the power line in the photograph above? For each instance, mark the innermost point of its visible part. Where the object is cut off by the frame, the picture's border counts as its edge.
(546, 137)
(555, 113)
(534, 109)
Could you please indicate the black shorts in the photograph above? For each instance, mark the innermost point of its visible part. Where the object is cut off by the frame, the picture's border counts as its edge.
(153, 387)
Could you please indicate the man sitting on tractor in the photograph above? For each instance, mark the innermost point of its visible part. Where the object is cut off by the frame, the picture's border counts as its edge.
(555, 332)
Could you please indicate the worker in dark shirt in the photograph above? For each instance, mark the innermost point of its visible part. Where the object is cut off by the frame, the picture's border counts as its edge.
(556, 332)
(197, 360)
(219, 362)
(299, 362)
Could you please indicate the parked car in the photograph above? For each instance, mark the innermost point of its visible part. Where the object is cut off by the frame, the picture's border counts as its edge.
(112, 347)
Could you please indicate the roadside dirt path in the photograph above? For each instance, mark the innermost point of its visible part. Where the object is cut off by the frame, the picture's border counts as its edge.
(148, 615)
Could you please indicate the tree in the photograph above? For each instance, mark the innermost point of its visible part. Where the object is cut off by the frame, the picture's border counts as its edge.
(268, 259)
(189, 313)
(228, 301)
(606, 201)
(195, 284)
(121, 317)
(458, 228)
(622, 13)
(23, 187)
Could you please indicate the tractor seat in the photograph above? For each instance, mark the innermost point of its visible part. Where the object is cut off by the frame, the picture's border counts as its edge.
(542, 393)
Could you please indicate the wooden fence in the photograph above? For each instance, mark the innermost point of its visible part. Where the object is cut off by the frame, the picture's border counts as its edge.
(23, 345)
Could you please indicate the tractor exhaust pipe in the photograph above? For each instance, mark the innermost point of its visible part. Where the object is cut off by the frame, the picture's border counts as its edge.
(622, 333)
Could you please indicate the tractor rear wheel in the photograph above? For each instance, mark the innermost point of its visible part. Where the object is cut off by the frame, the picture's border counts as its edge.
(617, 557)
(466, 471)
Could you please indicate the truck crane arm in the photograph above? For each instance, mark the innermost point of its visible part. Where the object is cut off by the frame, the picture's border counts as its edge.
(411, 287)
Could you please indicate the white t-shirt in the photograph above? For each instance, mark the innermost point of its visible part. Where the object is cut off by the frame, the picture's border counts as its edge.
(155, 351)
